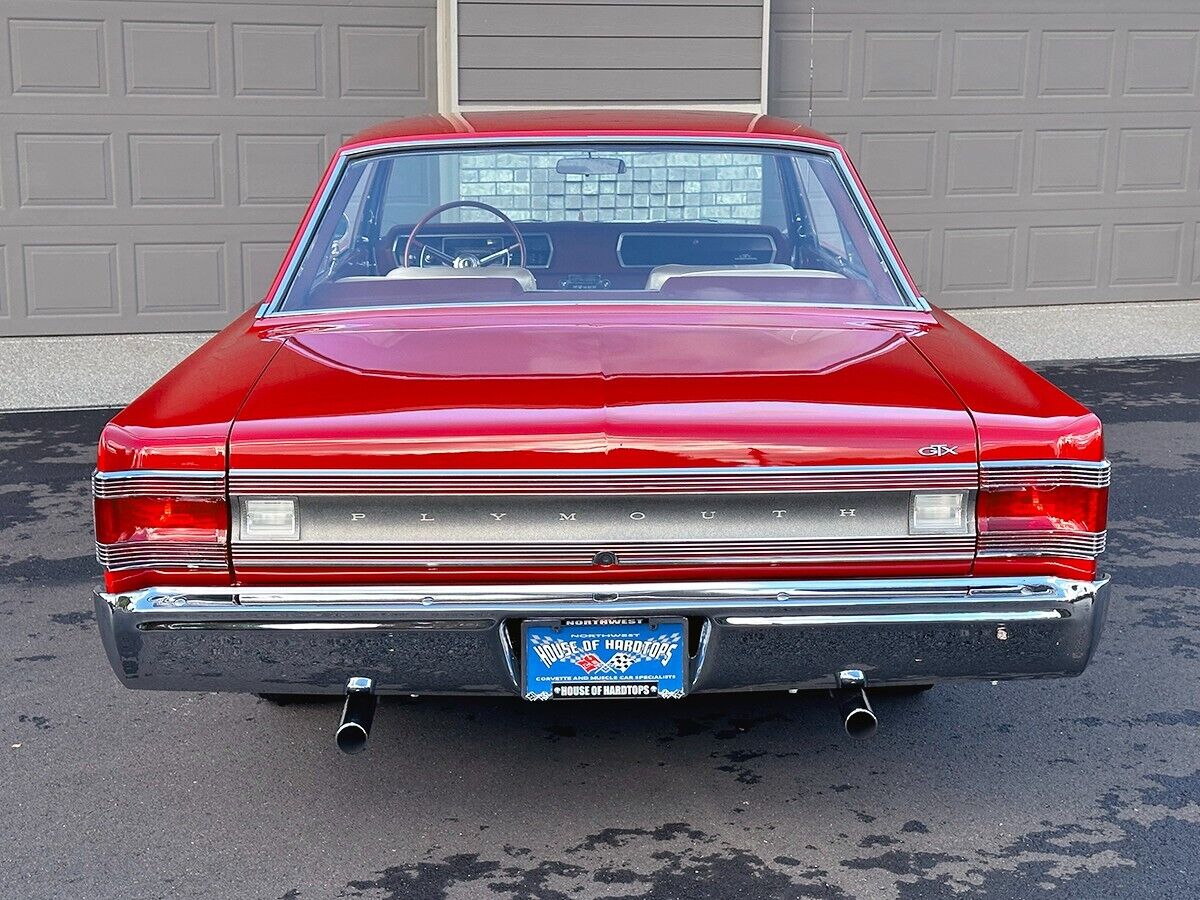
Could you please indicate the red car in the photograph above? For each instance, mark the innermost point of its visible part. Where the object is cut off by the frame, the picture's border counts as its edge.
(596, 404)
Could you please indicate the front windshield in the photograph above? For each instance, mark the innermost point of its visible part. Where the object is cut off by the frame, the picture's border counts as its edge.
(591, 221)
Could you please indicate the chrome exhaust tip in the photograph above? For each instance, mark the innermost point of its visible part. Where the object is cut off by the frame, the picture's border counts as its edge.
(858, 718)
(357, 715)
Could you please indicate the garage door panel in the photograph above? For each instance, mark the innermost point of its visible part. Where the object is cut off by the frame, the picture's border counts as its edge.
(331, 60)
(54, 56)
(1162, 62)
(259, 262)
(1064, 256)
(65, 170)
(930, 165)
(988, 259)
(1020, 156)
(988, 63)
(278, 60)
(175, 170)
(85, 281)
(165, 151)
(182, 170)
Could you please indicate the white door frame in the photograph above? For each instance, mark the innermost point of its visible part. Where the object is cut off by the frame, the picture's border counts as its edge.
(447, 56)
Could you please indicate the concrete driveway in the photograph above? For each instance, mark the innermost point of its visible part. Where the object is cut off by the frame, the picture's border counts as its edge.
(1090, 787)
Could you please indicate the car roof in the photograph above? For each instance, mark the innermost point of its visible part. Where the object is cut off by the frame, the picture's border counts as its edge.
(582, 122)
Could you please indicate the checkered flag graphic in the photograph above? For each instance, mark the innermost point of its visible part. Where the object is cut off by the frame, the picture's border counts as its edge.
(622, 661)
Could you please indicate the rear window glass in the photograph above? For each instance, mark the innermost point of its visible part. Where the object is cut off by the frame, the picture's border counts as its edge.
(589, 221)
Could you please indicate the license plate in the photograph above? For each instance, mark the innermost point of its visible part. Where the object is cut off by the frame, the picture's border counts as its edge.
(619, 657)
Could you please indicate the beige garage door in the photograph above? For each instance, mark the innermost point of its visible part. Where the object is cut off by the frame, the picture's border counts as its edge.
(156, 156)
(1019, 155)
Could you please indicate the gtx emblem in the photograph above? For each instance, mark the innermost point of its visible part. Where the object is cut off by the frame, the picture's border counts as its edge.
(938, 450)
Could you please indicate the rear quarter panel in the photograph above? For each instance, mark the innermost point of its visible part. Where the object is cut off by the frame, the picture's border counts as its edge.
(1019, 415)
(182, 421)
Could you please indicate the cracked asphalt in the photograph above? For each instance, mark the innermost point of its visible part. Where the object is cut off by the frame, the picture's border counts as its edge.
(1089, 788)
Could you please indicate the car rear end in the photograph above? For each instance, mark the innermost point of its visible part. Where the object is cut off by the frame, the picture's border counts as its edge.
(629, 478)
(766, 579)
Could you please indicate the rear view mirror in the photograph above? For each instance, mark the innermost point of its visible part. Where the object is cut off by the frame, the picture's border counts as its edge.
(590, 165)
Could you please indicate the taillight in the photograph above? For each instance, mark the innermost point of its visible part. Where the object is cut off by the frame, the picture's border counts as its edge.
(161, 519)
(151, 522)
(1043, 517)
(1042, 509)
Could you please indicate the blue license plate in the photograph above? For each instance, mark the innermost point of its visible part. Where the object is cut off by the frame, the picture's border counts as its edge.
(619, 657)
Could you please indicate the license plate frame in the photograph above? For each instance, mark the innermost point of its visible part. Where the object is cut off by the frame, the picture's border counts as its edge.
(563, 670)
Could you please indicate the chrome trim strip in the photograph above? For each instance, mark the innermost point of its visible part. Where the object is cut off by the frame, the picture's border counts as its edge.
(158, 483)
(1081, 464)
(999, 475)
(627, 300)
(247, 555)
(604, 598)
(289, 626)
(895, 270)
(122, 555)
(1072, 544)
(157, 473)
(1022, 615)
(739, 479)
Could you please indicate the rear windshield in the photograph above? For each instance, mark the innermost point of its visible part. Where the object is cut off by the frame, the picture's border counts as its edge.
(592, 221)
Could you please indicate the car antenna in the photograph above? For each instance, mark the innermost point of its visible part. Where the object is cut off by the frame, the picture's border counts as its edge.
(812, 50)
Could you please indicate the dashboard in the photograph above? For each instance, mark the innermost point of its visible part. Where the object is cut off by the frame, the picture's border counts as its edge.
(591, 256)
(650, 249)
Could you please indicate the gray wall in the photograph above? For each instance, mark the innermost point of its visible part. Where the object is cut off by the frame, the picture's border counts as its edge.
(155, 157)
(1019, 156)
(610, 51)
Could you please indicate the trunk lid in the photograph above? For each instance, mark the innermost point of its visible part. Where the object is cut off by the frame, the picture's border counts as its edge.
(596, 394)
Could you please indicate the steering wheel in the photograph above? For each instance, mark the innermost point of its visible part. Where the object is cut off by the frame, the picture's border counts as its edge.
(465, 261)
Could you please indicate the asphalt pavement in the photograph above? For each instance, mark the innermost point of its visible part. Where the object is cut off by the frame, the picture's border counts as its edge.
(1086, 788)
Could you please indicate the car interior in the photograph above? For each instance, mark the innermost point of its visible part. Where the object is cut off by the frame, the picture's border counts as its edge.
(616, 221)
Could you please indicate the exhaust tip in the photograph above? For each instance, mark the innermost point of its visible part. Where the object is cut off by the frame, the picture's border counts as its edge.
(861, 723)
(357, 715)
(352, 737)
(858, 718)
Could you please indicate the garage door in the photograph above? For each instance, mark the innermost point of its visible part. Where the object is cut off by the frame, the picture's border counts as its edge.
(157, 155)
(1019, 156)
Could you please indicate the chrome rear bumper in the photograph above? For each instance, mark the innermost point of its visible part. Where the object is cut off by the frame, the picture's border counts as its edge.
(767, 635)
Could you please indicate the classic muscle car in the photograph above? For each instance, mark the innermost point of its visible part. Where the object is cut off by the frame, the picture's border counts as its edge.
(596, 404)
